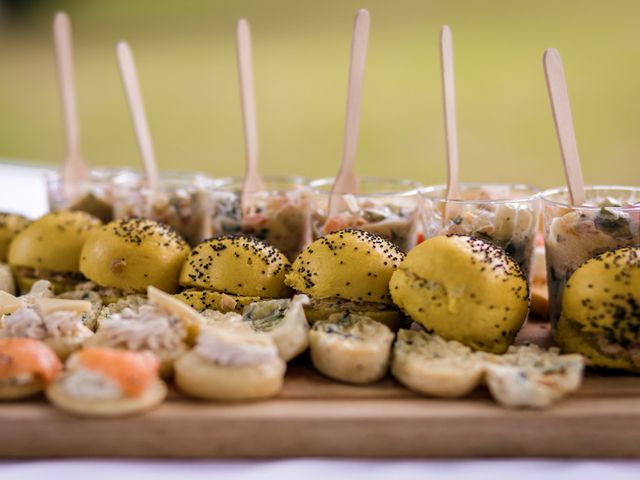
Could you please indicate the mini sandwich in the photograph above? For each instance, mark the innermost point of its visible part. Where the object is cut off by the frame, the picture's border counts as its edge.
(160, 325)
(465, 289)
(103, 382)
(228, 273)
(126, 256)
(27, 366)
(348, 271)
(230, 365)
(600, 316)
(58, 322)
(49, 249)
(10, 225)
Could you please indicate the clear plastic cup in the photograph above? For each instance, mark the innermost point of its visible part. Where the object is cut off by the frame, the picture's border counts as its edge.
(609, 219)
(503, 214)
(94, 195)
(388, 207)
(180, 201)
(280, 215)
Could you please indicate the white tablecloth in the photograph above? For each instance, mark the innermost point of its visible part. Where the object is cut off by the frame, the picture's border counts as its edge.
(22, 191)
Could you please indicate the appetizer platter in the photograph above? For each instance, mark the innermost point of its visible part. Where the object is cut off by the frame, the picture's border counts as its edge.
(172, 314)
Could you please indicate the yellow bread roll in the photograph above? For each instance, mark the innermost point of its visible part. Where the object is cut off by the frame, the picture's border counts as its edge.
(10, 225)
(134, 253)
(463, 289)
(348, 264)
(600, 315)
(49, 249)
(237, 265)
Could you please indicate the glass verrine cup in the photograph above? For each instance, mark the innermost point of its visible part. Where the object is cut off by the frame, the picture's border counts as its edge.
(388, 207)
(93, 195)
(609, 219)
(503, 214)
(180, 201)
(280, 215)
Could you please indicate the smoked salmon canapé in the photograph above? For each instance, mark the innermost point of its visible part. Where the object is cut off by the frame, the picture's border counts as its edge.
(27, 366)
(107, 382)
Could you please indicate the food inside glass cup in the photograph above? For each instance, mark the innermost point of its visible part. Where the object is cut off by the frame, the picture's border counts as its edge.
(179, 201)
(279, 215)
(503, 214)
(609, 219)
(93, 195)
(388, 207)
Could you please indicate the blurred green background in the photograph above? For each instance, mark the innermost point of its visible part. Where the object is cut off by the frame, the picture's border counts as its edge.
(186, 61)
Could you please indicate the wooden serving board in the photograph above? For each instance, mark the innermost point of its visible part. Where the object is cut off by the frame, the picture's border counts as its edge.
(314, 416)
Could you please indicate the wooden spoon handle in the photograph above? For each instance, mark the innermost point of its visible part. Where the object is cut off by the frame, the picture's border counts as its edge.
(449, 102)
(253, 182)
(561, 108)
(136, 109)
(74, 167)
(347, 181)
(359, 44)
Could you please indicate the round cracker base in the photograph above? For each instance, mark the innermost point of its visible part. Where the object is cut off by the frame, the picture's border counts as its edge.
(122, 407)
(443, 382)
(16, 392)
(197, 377)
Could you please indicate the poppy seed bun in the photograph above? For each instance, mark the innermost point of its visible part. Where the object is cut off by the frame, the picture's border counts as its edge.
(348, 264)
(10, 225)
(601, 310)
(49, 249)
(53, 242)
(133, 253)
(463, 289)
(237, 265)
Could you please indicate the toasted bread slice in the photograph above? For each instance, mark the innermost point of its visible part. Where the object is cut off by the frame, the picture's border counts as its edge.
(531, 377)
(430, 365)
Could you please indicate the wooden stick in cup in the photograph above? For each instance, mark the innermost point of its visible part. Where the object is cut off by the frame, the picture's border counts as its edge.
(252, 180)
(74, 169)
(346, 181)
(561, 108)
(449, 102)
(138, 116)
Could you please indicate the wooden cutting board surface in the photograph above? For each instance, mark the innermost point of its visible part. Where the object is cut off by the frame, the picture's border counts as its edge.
(314, 416)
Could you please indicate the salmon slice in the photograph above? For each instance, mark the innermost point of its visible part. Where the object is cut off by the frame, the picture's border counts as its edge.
(134, 372)
(26, 355)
